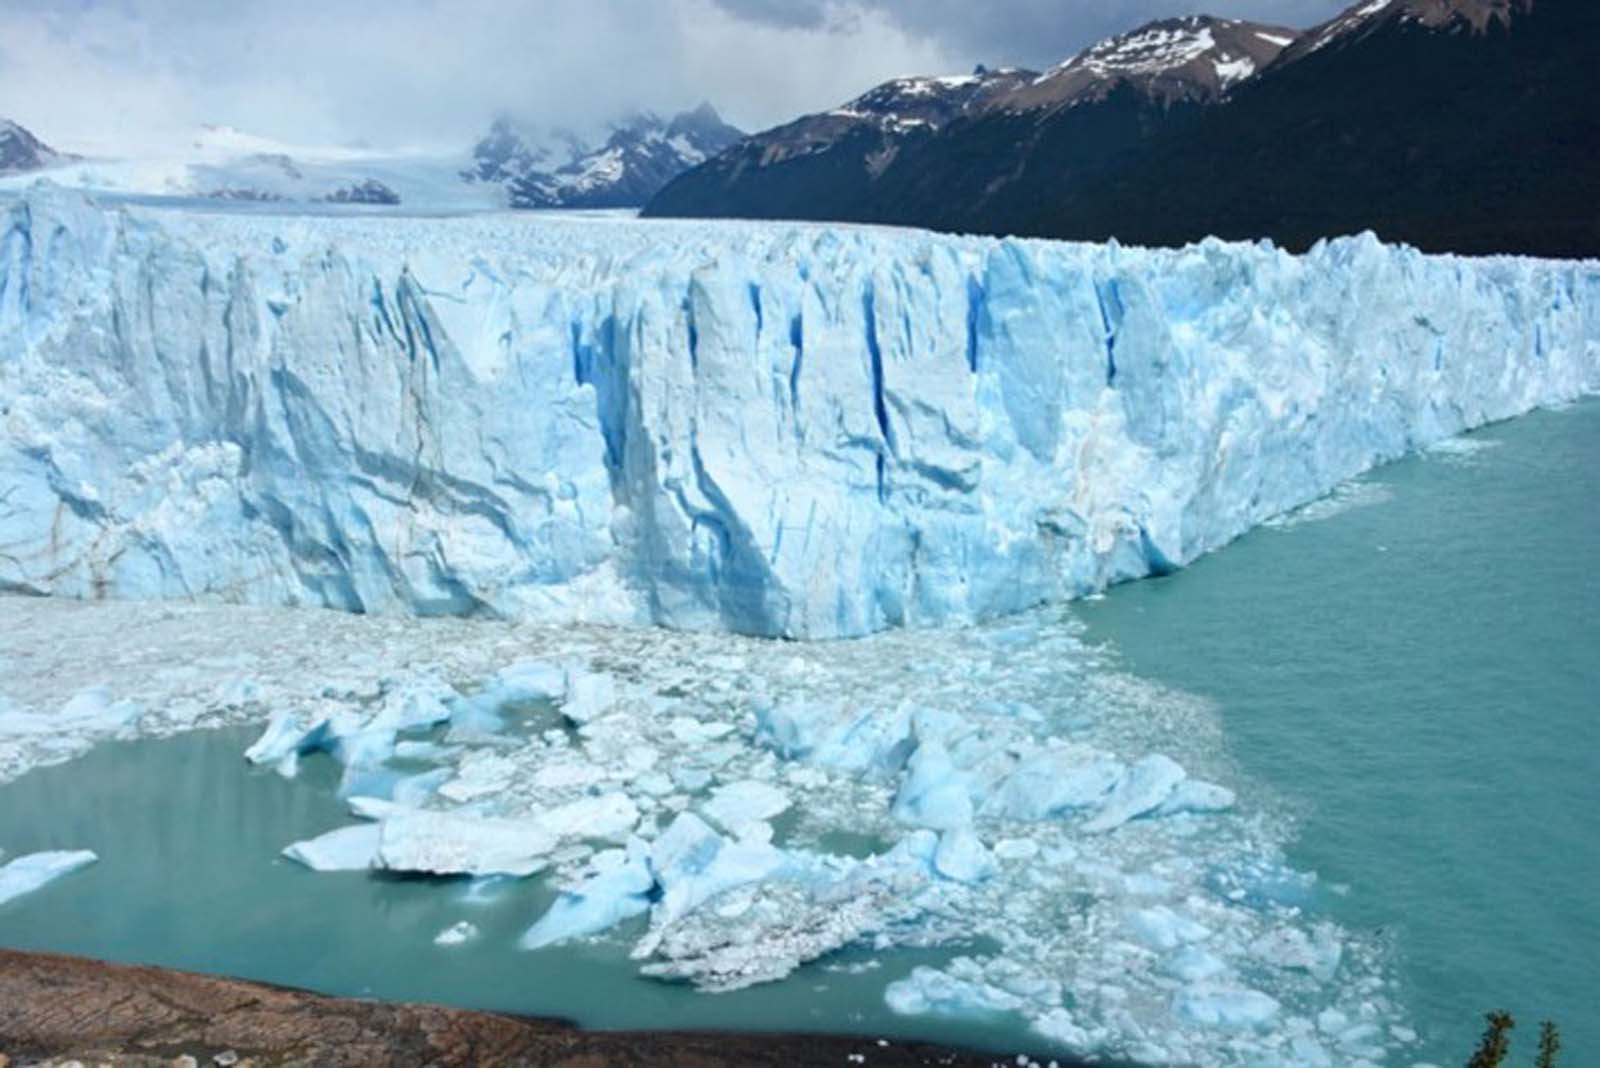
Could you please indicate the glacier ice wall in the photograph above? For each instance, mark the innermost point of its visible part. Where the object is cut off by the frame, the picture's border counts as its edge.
(775, 429)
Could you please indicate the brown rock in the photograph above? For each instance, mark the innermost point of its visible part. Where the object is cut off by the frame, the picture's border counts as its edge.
(136, 1017)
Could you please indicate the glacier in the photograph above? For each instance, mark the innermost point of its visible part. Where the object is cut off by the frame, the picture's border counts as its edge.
(779, 430)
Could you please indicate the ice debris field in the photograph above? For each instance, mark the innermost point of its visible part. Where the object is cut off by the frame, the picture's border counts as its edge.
(732, 429)
(730, 809)
(772, 429)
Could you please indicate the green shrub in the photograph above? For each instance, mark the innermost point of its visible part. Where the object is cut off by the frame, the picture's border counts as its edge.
(1495, 1046)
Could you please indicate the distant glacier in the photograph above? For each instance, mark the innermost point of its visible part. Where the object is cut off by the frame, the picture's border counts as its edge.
(776, 429)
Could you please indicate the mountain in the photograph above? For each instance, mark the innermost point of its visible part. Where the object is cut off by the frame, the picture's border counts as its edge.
(1459, 125)
(835, 155)
(223, 164)
(559, 169)
(21, 152)
(865, 161)
(1184, 60)
(1463, 125)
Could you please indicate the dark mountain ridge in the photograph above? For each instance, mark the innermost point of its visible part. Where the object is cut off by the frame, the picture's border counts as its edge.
(1463, 125)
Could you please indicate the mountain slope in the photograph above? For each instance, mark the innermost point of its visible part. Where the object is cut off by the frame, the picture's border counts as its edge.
(559, 169)
(21, 152)
(1464, 125)
(864, 160)
(826, 164)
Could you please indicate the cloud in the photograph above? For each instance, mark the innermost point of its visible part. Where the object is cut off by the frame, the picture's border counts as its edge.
(1034, 33)
(115, 75)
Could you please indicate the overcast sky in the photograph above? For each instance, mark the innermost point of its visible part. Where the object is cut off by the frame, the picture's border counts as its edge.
(116, 75)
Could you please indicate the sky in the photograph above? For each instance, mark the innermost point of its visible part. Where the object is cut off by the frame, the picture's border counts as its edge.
(129, 76)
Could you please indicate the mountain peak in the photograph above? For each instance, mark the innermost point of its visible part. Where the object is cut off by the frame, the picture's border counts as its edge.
(639, 153)
(931, 101)
(1370, 16)
(1192, 58)
(21, 151)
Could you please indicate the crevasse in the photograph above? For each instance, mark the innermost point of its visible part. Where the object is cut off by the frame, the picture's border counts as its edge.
(786, 430)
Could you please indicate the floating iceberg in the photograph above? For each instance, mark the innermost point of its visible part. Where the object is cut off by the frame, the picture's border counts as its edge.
(343, 849)
(27, 873)
(796, 430)
(597, 904)
(437, 843)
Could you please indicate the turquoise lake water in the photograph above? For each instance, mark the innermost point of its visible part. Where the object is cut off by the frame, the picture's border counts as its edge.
(1412, 669)
(1419, 676)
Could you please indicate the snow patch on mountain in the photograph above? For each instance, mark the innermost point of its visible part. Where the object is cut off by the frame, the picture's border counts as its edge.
(555, 168)
(226, 164)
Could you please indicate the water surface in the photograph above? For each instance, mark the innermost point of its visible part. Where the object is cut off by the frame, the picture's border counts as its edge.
(1412, 669)
(1418, 673)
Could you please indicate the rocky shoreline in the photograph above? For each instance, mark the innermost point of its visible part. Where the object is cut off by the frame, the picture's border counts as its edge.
(57, 1009)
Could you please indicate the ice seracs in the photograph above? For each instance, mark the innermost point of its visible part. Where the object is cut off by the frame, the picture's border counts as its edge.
(805, 431)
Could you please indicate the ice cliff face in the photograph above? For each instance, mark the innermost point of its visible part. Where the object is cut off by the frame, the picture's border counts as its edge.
(774, 429)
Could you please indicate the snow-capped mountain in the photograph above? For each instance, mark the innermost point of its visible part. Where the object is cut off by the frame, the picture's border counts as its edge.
(871, 126)
(225, 164)
(558, 168)
(21, 152)
(1372, 16)
(1197, 58)
(829, 164)
(1463, 125)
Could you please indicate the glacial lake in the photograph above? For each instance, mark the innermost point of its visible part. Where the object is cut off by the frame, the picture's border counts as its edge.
(1419, 676)
(1411, 669)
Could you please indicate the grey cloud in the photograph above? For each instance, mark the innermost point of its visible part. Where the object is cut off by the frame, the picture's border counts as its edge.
(1036, 33)
(104, 75)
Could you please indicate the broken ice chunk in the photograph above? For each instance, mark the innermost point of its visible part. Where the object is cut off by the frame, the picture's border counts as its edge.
(586, 695)
(95, 709)
(607, 817)
(596, 904)
(1058, 1026)
(934, 793)
(1290, 947)
(439, 844)
(929, 990)
(1055, 781)
(1148, 783)
(288, 734)
(961, 856)
(872, 741)
(1192, 795)
(1222, 1007)
(415, 703)
(1161, 928)
(29, 872)
(741, 804)
(524, 681)
(1193, 965)
(412, 790)
(351, 848)
(692, 863)
(456, 934)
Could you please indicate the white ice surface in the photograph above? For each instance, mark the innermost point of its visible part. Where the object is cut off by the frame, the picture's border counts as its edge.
(27, 873)
(796, 430)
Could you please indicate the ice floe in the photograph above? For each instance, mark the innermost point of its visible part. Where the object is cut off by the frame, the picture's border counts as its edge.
(1073, 836)
(27, 873)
